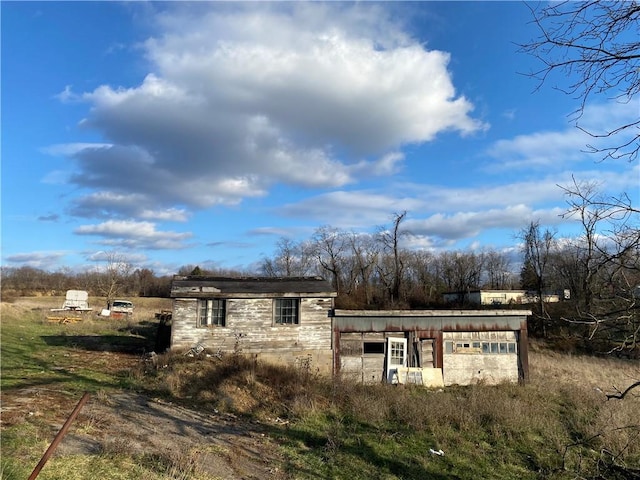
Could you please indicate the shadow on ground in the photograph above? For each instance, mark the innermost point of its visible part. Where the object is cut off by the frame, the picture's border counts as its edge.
(136, 340)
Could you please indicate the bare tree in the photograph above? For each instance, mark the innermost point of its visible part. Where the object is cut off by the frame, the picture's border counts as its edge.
(363, 258)
(143, 281)
(330, 247)
(292, 259)
(422, 274)
(537, 247)
(590, 261)
(461, 271)
(392, 275)
(497, 270)
(596, 45)
(610, 261)
(111, 278)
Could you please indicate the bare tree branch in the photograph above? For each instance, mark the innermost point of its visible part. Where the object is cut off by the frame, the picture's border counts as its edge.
(596, 47)
(621, 394)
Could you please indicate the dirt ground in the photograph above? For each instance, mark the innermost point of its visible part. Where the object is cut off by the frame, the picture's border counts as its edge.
(221, 445)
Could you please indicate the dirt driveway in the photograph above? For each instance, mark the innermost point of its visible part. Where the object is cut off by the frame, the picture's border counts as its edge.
(220, 445)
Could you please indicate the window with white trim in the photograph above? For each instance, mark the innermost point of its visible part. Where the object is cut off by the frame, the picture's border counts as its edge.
(212, 312)
(286, 311)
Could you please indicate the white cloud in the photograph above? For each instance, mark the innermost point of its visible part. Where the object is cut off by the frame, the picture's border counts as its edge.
(464, 225)
(71, 149)
(451, 199)
(439, 214)
(111, 204)
(567, 147)
(242, 98)
(344, 209)
(116, 257)
(42, 260)
(170, 214)
(131, 234)
(67, 95)
(540, 150)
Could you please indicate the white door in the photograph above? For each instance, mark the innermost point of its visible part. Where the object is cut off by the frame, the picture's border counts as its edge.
(396, 357)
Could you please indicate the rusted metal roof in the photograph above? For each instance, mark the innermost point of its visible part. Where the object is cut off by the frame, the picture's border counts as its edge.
(422, 320)
(201, 285)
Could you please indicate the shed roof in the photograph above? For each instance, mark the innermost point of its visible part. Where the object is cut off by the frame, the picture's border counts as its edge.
(437, 320)
(190, 285)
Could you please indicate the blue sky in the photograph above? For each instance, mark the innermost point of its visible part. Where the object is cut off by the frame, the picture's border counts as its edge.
(201, 133)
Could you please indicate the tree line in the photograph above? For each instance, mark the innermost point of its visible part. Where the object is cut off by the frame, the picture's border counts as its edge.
(31, 281)
(377, 271)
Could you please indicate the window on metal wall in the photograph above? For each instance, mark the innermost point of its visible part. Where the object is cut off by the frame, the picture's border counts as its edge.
(211, 312)
(287, 311)
(486, 348)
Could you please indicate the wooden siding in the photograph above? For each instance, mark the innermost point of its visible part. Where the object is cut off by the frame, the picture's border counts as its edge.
(250, 329)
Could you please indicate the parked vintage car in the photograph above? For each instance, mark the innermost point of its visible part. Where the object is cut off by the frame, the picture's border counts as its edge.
(122, 306)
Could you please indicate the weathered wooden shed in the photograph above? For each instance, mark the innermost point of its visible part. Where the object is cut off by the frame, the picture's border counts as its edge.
(431, 347)
(293, 320)
(285, 320)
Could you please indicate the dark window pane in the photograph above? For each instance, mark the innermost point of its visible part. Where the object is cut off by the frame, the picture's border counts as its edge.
(373, 347)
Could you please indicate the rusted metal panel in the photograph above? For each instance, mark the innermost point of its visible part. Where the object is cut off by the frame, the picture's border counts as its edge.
(351, 336)
(429, 313)
(372, 336)
(428, 321)
(523, 355)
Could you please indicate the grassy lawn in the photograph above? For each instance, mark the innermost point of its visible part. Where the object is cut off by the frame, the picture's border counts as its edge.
(73, 357)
